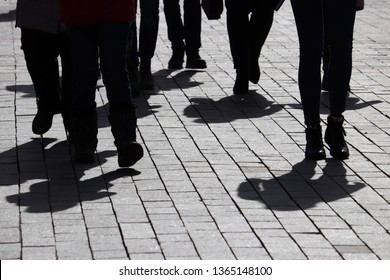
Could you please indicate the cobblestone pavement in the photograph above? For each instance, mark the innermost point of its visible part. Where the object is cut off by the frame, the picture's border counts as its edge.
(223, 177)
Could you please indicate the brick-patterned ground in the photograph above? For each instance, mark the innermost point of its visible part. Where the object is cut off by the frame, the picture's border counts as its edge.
(223, 177)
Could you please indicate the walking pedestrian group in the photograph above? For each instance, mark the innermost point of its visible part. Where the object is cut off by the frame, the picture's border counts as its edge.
(100, 36)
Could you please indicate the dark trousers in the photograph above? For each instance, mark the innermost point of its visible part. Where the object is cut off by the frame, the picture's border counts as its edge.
(247, 33)
(88, 43)
(41, 51)
(189, 30)
(148, 32)
(309, 17)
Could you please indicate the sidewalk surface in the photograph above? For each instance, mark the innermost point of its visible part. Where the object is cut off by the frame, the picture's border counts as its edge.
(223, 177)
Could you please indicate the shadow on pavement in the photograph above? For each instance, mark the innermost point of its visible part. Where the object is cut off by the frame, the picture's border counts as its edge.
(302, 188)
(49, 181)
(230, 108)
(10, 16)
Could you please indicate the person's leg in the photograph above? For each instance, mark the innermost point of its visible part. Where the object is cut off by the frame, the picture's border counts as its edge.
(40, 52)
(175, 33)
(192, 33)
(309, 21)
(112, 40)
(66, 77)
(259, 26)
(238, 31)
(132, 60)
(340, 34)
(148, 38)
(340, 29)
(84, 57)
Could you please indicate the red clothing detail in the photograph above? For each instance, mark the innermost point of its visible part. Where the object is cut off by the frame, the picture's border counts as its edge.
(81, 12)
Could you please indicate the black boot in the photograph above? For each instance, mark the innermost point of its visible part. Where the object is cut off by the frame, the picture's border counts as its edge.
(84, 135)
(194, 61)
(146, 77)
(314, 145)
(123, 127)
(334, 137)
(177, 59)
(44, 118)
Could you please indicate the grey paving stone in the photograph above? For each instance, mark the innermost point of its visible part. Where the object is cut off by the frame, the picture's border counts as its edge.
(223, 176)
(39, 253)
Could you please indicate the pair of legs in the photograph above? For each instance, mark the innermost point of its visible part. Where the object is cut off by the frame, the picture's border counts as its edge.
(309, 17)
(41, 51)
(248, 24)
(185, 35)
(142, 54)
(88, 44)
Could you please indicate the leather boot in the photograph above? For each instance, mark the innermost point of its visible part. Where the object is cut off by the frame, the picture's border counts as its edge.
(314, 145)
(334, 137)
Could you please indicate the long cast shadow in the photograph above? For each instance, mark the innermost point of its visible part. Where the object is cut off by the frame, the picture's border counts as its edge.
(55, 186)
(230, 108)
(301, 188)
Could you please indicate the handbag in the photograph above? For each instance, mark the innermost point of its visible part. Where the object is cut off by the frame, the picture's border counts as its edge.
(359, 5)
(212, 8)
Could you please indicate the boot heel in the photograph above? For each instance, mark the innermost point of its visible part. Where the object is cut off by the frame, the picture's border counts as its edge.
(334, 137)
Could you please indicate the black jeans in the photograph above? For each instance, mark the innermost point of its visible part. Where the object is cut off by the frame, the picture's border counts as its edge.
(189, 31)
(247, 34)
(147, 34)
(309, 17)
(41, 51)
(88, 43)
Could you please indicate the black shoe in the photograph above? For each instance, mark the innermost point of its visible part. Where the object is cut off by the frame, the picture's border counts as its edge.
(195, 62)
(42, 122)
(176, 61)
(129, 153)
(241, 85)
(146, 78)
(123, 127)
(254, 72)
(334, 137)
(314, 145)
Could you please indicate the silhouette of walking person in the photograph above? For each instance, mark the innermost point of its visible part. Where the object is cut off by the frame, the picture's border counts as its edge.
(247, 35)
(43, 40)
(142, 47)
(309, 17)
(99, 29)
(185, 35)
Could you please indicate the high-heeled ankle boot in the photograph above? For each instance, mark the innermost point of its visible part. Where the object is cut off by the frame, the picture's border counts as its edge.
(314, 145)
(334, 137)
